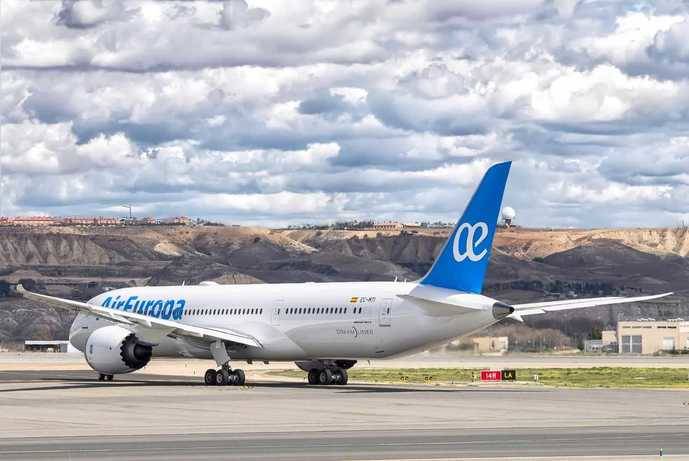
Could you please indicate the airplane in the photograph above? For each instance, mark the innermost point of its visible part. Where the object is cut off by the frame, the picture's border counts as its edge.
(323, 327)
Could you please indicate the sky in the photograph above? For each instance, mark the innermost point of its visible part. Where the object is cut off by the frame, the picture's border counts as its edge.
(275, 112)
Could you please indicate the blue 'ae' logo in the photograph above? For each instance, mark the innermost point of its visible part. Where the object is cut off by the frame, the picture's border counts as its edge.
(170, 309)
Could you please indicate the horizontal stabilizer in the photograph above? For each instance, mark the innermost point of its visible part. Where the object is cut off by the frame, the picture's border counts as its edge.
(552, 306)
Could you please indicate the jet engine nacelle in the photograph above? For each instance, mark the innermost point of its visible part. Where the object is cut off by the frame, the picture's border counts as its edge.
(113, 350)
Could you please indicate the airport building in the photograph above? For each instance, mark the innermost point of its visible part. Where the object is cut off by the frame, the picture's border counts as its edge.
(649, 336)
(490, 344)
(48, 346)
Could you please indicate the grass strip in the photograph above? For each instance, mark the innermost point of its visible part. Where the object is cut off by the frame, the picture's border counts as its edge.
(601, 377)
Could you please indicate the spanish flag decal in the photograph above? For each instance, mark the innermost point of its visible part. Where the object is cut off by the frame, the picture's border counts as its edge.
(354, 299)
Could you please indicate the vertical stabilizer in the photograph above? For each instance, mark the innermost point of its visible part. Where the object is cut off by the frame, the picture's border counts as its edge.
(462, 263)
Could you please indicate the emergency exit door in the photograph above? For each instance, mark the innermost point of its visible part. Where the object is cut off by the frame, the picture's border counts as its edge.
(385, 313)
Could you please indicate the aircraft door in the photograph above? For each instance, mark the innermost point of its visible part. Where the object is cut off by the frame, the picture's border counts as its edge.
(385, 313)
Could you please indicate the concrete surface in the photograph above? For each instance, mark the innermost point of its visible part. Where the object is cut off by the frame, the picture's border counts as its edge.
(68, 414)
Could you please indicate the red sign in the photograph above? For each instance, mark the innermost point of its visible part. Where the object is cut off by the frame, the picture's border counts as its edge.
(491, 375)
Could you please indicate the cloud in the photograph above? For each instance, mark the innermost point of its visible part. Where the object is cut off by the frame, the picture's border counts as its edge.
(85, 14)
(236, 14)
(269, 112)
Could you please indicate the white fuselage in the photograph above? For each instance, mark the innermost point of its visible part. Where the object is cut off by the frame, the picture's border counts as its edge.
(296, 321)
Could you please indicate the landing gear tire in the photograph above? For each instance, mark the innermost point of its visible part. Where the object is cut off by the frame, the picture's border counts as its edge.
(314, 376)
(104, 377)
(341, 377)
(325, 377)
(240, 377)
(223, 377)
(210, 377)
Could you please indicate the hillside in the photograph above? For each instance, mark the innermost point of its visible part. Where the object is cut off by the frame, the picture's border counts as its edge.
(527, 264)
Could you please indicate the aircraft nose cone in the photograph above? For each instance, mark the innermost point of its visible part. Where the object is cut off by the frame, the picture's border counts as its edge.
(501, 310)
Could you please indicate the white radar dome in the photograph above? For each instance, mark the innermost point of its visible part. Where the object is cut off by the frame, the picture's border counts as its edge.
(508, 213)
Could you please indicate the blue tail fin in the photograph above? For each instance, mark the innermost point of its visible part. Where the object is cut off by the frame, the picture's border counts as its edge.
(462, 263)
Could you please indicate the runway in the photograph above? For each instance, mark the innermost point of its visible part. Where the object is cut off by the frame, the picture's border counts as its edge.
(70, 415)
(353, 445)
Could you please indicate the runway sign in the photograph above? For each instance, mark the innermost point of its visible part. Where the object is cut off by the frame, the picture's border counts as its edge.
(509, 375)
(498, 375)
(491, 375)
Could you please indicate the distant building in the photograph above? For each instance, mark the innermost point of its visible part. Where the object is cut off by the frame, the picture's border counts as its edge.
(148, 220)
(609, 337)
(607, 343)
(32, 221)
(593, 345)
(649, 336)
(89, 221)
(388, 226)
(487, 344)
(177, 220)
(38, 221)
(102, 221)
(48, 346)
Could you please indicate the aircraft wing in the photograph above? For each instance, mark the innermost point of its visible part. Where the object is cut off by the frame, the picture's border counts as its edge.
(521, 310)
(129, 318)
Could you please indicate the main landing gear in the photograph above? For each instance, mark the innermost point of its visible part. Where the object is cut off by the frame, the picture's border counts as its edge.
(224, 377)
(104, 377)
(328, 376)
(326, 371)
